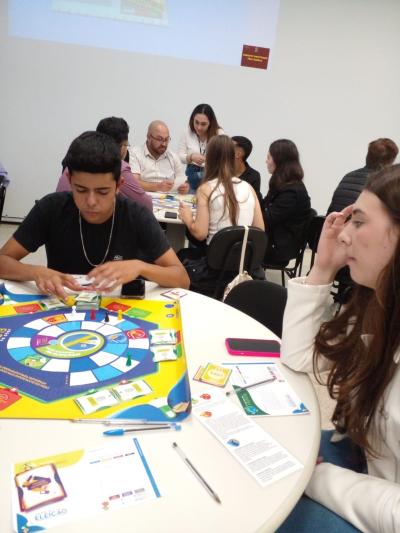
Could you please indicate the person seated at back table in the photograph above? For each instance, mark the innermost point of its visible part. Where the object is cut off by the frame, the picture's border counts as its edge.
(355, 485)
(118, 129)
(286, 208)
(92, 230)
(243, 148)
(381, 153)
(155, 166)
(223, 200)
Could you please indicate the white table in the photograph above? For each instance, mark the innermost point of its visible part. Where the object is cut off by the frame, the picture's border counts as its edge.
(175, 227)
(185, 506)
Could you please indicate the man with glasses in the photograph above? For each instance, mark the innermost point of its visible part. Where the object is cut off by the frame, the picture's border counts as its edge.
(155, 167)
(117, 129)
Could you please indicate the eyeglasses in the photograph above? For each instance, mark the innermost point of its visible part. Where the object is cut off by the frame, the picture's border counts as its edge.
(160, 139)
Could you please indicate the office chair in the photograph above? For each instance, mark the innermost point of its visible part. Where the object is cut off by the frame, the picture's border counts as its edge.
(262, 300)
(295, 270)
(223, 258)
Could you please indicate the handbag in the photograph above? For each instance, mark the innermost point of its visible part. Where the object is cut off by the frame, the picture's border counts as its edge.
(243, 275)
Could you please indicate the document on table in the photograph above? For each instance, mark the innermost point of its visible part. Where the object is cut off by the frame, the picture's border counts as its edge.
(273, 398)
(255, 449)
(62, 488)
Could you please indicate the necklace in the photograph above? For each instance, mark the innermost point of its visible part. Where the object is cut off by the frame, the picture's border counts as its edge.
(109, 240)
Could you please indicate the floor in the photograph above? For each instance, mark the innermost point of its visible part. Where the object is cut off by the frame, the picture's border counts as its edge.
(326, 403)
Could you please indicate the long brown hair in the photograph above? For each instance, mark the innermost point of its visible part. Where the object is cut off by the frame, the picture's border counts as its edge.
(220, 165)
(207, 110)
(288, 169)
(363, 358)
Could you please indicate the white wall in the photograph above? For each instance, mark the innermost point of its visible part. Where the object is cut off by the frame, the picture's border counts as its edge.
(333, 86)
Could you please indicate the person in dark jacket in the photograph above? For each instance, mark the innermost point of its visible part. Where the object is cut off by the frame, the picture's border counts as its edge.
(243, 148)
(287, 206)
(381, 153)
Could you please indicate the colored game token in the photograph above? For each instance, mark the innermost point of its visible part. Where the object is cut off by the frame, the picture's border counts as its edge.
(119, 314)
(92, 314)
(106, 317)
(129, 360)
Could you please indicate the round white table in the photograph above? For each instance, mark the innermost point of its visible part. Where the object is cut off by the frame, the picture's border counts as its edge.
(185, 506)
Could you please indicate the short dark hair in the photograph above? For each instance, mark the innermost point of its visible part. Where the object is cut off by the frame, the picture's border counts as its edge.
(245, 144)
(381, 153)
(117, 128)
(94, 152)
(207, 110)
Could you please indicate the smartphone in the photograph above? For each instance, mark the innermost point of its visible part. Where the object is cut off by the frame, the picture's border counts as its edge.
(253, 347)
(134, 289)
(171, 214)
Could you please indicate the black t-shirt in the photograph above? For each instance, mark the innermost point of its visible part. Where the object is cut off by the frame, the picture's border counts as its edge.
(54, 222)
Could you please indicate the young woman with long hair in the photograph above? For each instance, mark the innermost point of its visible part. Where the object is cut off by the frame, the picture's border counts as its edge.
(286, 208)
(355, 486)
(222, 199)
(203, 126)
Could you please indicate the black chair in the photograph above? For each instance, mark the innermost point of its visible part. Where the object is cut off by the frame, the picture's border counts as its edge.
(223, 258)
(314, 233)
(295, 270)
(262, 300)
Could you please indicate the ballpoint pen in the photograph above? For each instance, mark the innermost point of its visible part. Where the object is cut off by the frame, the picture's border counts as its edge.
(117, 432)
(245, 387)
(196, 473)
(122, 422)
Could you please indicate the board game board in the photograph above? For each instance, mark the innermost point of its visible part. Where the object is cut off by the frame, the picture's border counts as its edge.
(73, 364)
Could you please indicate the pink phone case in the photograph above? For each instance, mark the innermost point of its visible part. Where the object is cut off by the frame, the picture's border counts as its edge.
(250, 353)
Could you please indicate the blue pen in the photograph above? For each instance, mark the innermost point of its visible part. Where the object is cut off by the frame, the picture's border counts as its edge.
(117, 432)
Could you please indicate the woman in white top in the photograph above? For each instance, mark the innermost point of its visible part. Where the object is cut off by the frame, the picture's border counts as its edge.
(222, 199)
(203, 126)
(360, 350)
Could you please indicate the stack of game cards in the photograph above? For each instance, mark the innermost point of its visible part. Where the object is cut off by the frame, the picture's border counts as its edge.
(163, 344)
(86, 301)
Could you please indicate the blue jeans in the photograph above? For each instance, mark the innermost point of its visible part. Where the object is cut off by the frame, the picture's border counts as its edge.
(308, 515)
(194, 175)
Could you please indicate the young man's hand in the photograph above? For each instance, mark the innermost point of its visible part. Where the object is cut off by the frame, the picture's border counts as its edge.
(50, 281)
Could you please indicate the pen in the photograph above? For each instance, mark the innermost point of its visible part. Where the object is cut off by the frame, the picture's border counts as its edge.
(245, 387)
(196, 473)
(117, 432)
(121, 422)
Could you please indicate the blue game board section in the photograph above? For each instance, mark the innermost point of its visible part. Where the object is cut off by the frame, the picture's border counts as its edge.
(20, 353)
(82, 364)
(69, 326)
(115, 349)
(48, 386)
(126, 326)
(106, 372)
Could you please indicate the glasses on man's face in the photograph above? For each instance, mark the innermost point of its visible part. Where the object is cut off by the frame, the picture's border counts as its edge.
(160, 140)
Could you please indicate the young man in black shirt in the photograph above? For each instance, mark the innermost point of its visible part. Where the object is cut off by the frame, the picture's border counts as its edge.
(243, 148)
(91, 230)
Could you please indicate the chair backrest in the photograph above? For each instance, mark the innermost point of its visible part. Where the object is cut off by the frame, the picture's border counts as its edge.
(303, 243)
(226, 246)
(224, 250)
(313, 235)
(262, 300)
